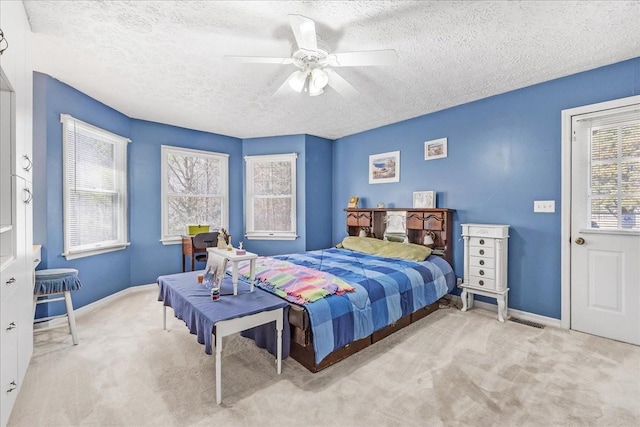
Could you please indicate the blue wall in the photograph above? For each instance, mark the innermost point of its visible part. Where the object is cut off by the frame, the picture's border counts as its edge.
(504, 152)
(313, 191)
(318, 189)
(101, 275)
(281, 145)
(149, 257)
(146, 258)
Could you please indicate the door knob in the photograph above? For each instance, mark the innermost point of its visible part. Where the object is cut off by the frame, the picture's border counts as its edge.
(579, 241)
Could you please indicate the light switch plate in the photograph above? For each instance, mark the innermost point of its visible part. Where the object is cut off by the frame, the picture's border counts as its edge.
(544, 206)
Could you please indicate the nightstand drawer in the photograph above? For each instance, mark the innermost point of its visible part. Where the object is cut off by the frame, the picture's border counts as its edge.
(481, 251)
(482, 282)
(489, 273)
(485, 262)
(481, 242)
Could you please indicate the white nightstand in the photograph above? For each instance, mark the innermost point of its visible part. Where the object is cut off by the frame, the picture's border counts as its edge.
(485, 265)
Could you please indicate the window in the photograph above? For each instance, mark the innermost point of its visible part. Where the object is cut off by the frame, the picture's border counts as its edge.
(195, 190)
(95, 189)
(614, 169)
(271, 197)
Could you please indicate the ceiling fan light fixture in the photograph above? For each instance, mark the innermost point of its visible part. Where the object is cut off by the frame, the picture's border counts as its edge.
(319, 78)
(315, 91)
(298, 80)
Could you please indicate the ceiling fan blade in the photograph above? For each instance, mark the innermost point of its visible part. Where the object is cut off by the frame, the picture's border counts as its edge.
(304, 30)
(340, 85)
(294, 80)
(259, 59)
(364, 58)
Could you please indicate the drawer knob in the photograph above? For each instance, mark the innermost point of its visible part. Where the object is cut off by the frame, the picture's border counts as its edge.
(10, 281)
(482, 272)
(481, 282)
(482, 241)
(481, 251)
(481, 262)
(12, 386)
(12, 325)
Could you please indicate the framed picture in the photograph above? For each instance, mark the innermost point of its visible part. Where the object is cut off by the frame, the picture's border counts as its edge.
(435, 149)
(384, 167)
(353, 202)
(424, 199)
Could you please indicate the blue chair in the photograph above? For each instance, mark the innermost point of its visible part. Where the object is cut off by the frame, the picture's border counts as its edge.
(53, 285)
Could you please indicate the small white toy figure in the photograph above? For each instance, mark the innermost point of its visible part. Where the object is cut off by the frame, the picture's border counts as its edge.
(240, 245)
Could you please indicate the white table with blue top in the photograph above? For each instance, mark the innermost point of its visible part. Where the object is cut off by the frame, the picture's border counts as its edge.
(192, 303)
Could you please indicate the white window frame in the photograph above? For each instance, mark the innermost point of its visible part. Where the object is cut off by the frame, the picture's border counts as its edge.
(250, 232)
(170, 239)
(70, 123)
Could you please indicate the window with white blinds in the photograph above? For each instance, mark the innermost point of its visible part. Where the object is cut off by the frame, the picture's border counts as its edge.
(195, 190)
(94, 189)
(613, 187)
(271, 197)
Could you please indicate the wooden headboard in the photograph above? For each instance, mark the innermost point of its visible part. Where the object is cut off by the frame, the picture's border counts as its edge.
(419, 220)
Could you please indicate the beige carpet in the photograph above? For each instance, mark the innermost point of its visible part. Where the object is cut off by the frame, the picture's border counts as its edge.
(451, 368)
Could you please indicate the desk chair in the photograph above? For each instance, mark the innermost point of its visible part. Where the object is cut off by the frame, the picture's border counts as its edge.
(203, 241)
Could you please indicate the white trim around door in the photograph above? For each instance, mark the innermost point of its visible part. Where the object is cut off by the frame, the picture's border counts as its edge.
(565, 247)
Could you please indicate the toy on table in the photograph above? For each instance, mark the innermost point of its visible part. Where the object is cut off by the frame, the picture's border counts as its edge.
(240, 251)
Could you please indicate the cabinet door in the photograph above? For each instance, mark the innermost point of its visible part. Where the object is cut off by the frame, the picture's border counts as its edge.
(11, 276)
(8, 358)
(25, 313)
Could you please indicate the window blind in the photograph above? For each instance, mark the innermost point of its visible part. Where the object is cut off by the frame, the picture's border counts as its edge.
(611, 163)
(95, 188)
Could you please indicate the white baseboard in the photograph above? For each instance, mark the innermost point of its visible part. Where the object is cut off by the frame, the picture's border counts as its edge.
(524, 315)
(54, 323)
(532, 317)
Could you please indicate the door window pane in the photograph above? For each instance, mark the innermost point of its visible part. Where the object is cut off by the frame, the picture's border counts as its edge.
(615, 176)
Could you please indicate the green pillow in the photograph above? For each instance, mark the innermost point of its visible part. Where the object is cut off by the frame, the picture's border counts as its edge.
(370, 245)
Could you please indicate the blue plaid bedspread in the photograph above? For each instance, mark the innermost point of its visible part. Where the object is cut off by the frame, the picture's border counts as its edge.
(386, 290)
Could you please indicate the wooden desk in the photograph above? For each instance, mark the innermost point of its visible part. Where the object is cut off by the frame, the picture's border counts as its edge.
(188, 249)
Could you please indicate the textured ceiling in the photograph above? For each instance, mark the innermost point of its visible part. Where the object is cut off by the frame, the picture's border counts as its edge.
(163, 60)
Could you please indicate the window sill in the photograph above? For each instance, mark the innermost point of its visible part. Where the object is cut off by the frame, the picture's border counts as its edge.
(271, 236)
(83, 254)
(171, 241)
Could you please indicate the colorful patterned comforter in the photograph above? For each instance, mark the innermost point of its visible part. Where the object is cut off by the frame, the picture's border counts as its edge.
(295, 283)
(385, 289)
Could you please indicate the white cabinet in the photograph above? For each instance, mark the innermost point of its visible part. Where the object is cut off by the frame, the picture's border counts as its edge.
(9, 365)
(16, 215)
(485, 264)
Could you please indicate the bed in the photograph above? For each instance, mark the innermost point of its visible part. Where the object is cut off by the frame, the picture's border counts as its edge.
(382, 294)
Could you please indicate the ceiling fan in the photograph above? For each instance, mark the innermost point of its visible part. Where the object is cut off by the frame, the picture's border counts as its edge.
(314, 60)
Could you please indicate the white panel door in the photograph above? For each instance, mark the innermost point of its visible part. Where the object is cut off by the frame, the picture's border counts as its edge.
(605, 224)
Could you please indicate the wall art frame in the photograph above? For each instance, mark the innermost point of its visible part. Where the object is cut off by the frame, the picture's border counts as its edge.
(435, 149)
(424, 199)
(384, 167)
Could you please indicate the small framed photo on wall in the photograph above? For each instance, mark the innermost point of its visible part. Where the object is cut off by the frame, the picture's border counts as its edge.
(424, 199)
(435, 149)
